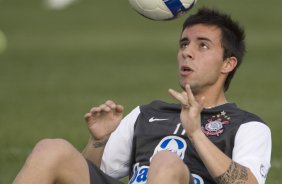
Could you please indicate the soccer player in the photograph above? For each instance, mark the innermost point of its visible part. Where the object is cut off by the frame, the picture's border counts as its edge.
(202, 139)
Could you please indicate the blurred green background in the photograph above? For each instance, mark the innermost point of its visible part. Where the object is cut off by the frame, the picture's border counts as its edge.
(59, 63)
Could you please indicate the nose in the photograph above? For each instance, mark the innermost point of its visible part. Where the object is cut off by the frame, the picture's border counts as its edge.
(187, 52)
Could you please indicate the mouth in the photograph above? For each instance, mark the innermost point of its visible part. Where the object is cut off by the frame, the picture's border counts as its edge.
(185, 70)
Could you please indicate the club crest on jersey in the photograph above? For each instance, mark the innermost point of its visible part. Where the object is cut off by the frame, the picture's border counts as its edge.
(215, 124)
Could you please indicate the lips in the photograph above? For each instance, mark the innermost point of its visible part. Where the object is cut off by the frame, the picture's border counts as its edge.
(185, 70)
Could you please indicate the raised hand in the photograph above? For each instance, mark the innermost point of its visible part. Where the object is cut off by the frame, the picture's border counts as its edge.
(104, 119)
(191, 110)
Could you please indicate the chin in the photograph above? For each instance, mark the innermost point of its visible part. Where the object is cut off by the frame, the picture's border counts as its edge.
(183, 84)
(193, 87)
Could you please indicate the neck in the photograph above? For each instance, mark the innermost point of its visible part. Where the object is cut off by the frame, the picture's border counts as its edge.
(219, 104)
(212, 99)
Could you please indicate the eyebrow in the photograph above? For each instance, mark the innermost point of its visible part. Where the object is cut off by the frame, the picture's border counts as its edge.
(183, 39)
(198, 38)
(204, 38)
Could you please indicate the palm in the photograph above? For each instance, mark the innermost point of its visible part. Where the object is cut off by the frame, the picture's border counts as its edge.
(190, 119)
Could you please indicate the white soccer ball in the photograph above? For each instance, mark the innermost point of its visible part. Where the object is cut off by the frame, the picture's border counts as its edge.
(58, 4)
(162, 9)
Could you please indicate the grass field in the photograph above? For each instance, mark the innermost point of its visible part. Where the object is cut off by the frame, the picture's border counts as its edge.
(60, 63)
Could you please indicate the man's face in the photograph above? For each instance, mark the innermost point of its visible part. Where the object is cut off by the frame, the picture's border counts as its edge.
(200, 57)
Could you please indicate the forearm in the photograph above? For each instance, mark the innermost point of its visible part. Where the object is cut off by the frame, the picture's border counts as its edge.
(236, 173)
(94, 150)
(222, 168)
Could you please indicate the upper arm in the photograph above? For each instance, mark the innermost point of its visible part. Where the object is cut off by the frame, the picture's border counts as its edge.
(252, 149)
(117, 153)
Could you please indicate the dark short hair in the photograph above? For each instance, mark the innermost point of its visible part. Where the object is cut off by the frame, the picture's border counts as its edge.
(233, 35)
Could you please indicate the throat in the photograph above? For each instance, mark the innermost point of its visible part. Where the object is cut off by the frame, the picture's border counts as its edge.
(216, 105)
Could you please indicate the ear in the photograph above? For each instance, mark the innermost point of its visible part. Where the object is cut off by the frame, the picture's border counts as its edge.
(229, 64)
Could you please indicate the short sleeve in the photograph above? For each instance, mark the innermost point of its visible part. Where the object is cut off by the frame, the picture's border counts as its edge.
(252, 148)
(117, 152)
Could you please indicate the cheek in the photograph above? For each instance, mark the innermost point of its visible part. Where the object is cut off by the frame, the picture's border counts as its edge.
(212, 63)
(210, 69)
(178, 56)
(214, 73)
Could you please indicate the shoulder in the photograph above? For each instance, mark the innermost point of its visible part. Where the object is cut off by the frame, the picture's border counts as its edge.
(244, 116)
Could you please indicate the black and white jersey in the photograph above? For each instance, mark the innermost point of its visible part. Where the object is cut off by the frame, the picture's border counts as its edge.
(151, 128)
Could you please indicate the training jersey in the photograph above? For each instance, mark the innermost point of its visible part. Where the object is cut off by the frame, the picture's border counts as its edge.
(155, 127)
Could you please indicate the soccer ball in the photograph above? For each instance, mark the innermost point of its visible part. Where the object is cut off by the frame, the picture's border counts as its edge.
(162, 9)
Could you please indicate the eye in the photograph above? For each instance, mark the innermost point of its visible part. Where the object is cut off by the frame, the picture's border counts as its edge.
(203, 45)
(183, 44)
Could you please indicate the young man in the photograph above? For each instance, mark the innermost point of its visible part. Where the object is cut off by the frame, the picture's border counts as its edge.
(204, 139)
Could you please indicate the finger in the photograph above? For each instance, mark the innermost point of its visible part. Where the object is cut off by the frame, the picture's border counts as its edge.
(95, 110)
(185, 96)
(178, 96)
(105, 108)
(190, 96)
(110, 104)
(87, 116)
(119, 109)
(192, 100)
(115, 107)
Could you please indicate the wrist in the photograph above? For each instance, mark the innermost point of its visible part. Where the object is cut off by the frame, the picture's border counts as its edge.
(100, 139)
(99, 135)
(97, 143)
(196, 136)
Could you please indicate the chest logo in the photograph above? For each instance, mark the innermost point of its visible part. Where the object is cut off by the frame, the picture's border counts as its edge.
(153, 119)
(173, 144)
(215, 124)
